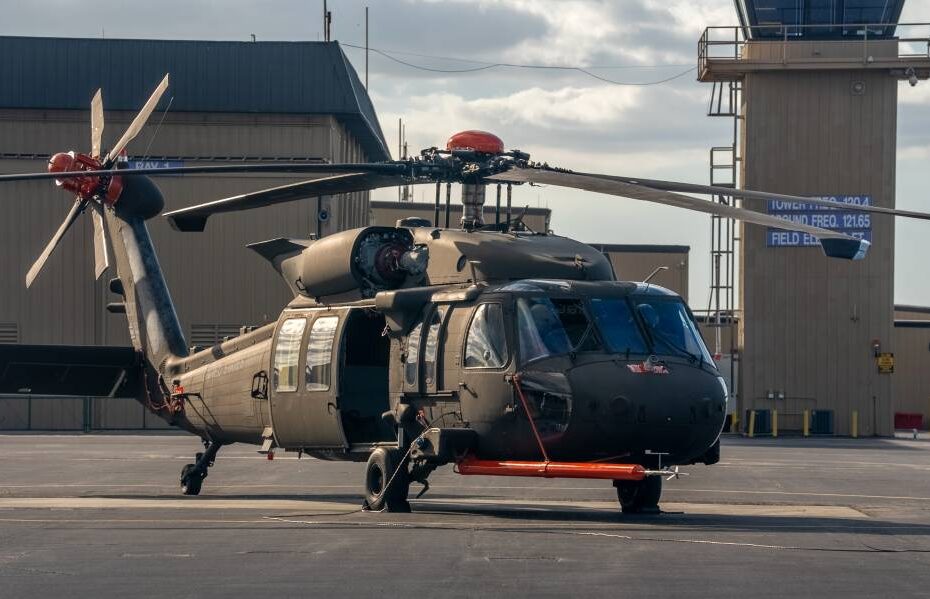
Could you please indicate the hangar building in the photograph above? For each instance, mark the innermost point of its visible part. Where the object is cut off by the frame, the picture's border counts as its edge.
(227, 101)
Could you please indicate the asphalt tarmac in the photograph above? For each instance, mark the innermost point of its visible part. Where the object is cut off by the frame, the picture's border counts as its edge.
(101, 516)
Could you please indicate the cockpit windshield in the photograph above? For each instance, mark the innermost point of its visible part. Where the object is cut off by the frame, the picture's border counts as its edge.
(615, 320)
(631, 325)
(671, 327)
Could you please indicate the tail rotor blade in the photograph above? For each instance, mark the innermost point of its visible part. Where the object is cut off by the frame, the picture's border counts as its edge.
(96, 124)
(101, 255)
(76, 210)
(137, 123)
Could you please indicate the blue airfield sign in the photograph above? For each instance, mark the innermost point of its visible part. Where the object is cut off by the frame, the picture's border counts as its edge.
(851, 222)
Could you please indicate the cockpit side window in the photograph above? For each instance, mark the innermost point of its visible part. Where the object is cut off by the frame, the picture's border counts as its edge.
(486, 344)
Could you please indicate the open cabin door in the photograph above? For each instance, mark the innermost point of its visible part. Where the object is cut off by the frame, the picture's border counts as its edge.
(484, 359)
(304, 384)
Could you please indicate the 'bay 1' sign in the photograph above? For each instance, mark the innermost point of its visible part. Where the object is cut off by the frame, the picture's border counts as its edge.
(154, 163)
(843, 220)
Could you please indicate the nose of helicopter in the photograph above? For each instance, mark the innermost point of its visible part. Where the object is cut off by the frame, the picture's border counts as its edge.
(676, 409)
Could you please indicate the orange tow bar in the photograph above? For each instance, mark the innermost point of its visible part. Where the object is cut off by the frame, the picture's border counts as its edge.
(594, 470)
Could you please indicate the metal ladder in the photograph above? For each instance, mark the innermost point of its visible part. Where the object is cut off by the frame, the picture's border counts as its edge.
(724, 232)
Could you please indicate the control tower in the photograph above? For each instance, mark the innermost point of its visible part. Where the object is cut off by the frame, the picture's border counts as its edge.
(813, 87)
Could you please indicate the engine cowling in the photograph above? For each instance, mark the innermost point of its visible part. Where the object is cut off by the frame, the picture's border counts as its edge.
(353, 264)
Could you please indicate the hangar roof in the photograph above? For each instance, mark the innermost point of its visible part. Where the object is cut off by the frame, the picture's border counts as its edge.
(259, 77)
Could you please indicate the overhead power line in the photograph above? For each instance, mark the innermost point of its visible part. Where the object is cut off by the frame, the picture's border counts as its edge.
(484, 66)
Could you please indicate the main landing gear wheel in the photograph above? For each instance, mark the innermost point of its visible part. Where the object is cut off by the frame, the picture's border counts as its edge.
(639, 497)
(192, 475)
(385, 490)
(191, 480)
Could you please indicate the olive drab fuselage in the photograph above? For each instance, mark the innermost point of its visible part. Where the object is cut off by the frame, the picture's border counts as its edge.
(334, 380)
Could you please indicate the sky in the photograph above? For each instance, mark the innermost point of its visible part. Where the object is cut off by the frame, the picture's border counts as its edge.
(563, 117)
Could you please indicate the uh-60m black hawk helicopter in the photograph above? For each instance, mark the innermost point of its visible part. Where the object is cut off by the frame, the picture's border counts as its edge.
(500, 350)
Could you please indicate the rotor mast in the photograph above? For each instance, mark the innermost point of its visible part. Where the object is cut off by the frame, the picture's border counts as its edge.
(474, 144)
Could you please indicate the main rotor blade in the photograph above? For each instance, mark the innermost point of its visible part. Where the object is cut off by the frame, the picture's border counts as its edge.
(76, 210)
(101, 255)
(194, 218)
(762, 195)
(138, 122)
(834, 244)
(388, 168)
(96, 124)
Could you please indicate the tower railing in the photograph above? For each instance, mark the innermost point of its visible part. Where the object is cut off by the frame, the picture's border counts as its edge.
(722, 44)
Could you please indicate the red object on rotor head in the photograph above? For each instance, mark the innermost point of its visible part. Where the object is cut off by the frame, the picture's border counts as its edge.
(85, 187)
(479, 141)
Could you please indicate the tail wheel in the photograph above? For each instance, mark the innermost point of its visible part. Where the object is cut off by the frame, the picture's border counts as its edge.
(191, 480)
(640, 497)
(387, 482)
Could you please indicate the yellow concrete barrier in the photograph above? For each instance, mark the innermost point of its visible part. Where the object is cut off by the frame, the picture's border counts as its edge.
(774, 423)
(855, 424)
(752, 423)
(806, 423)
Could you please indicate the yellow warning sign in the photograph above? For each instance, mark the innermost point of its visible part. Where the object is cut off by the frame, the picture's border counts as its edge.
(885, 362)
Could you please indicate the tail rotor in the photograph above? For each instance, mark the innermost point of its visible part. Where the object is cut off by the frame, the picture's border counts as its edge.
(97, 192)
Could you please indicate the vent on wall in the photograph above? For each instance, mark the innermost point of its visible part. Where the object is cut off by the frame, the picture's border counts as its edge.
(9, 332)
(205, 335)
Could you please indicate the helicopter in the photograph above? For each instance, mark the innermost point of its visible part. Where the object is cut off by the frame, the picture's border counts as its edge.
(490, 347)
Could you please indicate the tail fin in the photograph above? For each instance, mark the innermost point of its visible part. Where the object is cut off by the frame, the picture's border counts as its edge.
(153, 323)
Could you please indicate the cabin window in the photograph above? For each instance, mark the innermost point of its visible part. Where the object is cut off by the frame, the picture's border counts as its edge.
(320, 353)
(287, 354)
(486, 344)
(412, 357)
(431, 348)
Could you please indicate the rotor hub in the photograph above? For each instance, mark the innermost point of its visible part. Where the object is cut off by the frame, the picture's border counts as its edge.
(108, 189)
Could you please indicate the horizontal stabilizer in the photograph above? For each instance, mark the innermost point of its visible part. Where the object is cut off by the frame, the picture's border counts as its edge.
(274, 248)
(194, 223)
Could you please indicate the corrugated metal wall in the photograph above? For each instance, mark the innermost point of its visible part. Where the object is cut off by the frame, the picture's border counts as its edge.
(912, 361)
(809, 321)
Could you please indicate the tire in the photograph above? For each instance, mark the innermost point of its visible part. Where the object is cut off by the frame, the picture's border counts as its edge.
(640, 497)
(191, 480)
(382, 465)
(712, 456)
